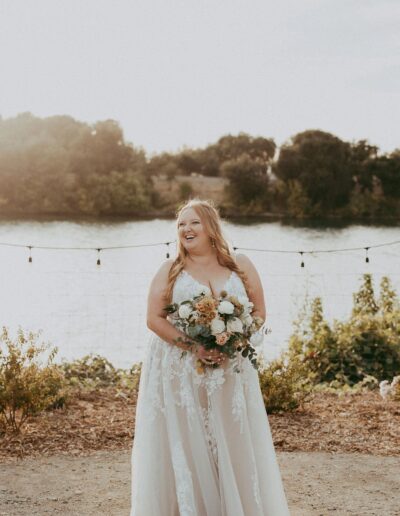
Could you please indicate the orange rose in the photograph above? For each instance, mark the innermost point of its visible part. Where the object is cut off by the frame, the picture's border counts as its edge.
(222, 338)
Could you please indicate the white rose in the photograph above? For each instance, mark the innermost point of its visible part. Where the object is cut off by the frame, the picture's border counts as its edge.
(226, 307)
(217, 326)
(234, 325)
(184, 311)
(247, 305)
(248, 320)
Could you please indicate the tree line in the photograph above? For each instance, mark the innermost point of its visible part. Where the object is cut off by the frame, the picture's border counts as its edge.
(58, 165)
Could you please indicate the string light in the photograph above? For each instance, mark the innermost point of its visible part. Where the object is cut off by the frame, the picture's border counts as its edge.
(235, 248)
(316, 251)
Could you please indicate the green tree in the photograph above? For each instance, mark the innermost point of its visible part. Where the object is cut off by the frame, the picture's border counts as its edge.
(57, 164)
(321, 163)
(248, 182)
(257, 148)
(388, 171)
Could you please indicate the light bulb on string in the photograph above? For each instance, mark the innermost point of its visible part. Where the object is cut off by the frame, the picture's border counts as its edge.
(302, 261)
(98, 257)
(30, 254)
(167, 244)
(366, 255)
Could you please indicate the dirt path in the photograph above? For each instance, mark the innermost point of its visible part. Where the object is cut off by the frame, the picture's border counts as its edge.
(316, 484)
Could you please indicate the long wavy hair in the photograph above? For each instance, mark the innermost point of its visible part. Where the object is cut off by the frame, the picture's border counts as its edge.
(211, 222)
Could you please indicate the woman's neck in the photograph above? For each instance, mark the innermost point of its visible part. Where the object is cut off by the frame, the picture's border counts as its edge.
(205, 260)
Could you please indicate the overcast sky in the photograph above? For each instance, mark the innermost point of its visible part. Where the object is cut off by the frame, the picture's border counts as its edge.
(185, 72)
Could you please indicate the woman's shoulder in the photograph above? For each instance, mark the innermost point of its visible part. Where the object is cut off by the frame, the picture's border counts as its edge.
(163, 270)
(247, 266)
(243, 261)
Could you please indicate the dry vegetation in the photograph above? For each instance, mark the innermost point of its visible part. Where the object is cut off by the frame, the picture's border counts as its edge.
(104, 420)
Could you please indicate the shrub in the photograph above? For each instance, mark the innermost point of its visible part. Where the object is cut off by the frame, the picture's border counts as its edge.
(90, 371)
(367, 344)
(28, 385)
(95, 371)
(283, 385)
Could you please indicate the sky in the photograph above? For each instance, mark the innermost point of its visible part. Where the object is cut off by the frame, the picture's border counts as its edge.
(178, 73)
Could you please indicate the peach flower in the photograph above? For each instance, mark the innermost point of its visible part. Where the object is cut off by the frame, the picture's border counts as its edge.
(222, 338)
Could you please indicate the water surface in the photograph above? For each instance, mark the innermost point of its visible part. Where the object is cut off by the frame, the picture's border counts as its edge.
(84, 308)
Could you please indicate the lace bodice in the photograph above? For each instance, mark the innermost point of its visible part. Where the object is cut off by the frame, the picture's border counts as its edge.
(187, 287)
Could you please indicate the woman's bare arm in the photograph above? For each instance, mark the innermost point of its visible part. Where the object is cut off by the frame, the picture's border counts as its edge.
(256, 292)
(156, 315)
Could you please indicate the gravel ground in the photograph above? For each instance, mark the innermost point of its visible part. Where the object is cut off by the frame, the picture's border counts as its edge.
(316, 484)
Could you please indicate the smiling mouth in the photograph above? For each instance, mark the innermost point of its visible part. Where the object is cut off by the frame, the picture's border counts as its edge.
(189, 238)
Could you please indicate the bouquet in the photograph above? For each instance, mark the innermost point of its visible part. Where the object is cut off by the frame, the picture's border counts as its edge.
(224, 323)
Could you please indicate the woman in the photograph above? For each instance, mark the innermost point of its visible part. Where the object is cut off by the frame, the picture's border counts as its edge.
(202, 443)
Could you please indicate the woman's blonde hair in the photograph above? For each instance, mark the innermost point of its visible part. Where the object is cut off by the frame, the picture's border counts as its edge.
(211, 221)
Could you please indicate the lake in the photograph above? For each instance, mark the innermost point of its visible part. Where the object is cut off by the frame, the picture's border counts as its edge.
(85, 308)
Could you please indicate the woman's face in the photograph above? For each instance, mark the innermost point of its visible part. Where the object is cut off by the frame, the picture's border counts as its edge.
(191, 232)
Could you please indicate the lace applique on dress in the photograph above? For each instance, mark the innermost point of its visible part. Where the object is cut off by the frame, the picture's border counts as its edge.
(211, 379)
(238, 401)
(186, 397)
(210, 434)
(153, 405)
(183, 480)
(180, 366)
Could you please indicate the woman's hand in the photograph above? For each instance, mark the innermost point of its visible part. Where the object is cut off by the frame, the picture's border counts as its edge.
(209, 356)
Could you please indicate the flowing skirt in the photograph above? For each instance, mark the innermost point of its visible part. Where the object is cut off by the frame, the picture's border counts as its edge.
(202, 445)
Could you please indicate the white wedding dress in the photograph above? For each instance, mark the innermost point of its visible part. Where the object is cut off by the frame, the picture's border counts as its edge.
(202, 445)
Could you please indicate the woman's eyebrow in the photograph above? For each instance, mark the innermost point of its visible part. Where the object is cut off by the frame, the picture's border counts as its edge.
(191, 220)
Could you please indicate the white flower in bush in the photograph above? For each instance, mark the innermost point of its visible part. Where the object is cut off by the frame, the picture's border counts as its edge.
(390, 390)
(234, 325)
(217, 326)
(385, 389)
(226, 307)
(184, 311)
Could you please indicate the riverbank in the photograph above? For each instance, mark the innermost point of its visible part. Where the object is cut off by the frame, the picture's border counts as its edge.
(231, 216)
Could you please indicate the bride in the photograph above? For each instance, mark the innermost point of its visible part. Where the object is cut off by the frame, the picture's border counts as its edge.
(203, 445)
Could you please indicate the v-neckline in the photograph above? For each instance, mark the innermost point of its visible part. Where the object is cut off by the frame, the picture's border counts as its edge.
(207, 286)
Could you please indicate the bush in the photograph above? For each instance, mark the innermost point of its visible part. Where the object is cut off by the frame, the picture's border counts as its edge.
(90, 371)
(367, 344)
(27, 385)
(283, 385)
(94, 371)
